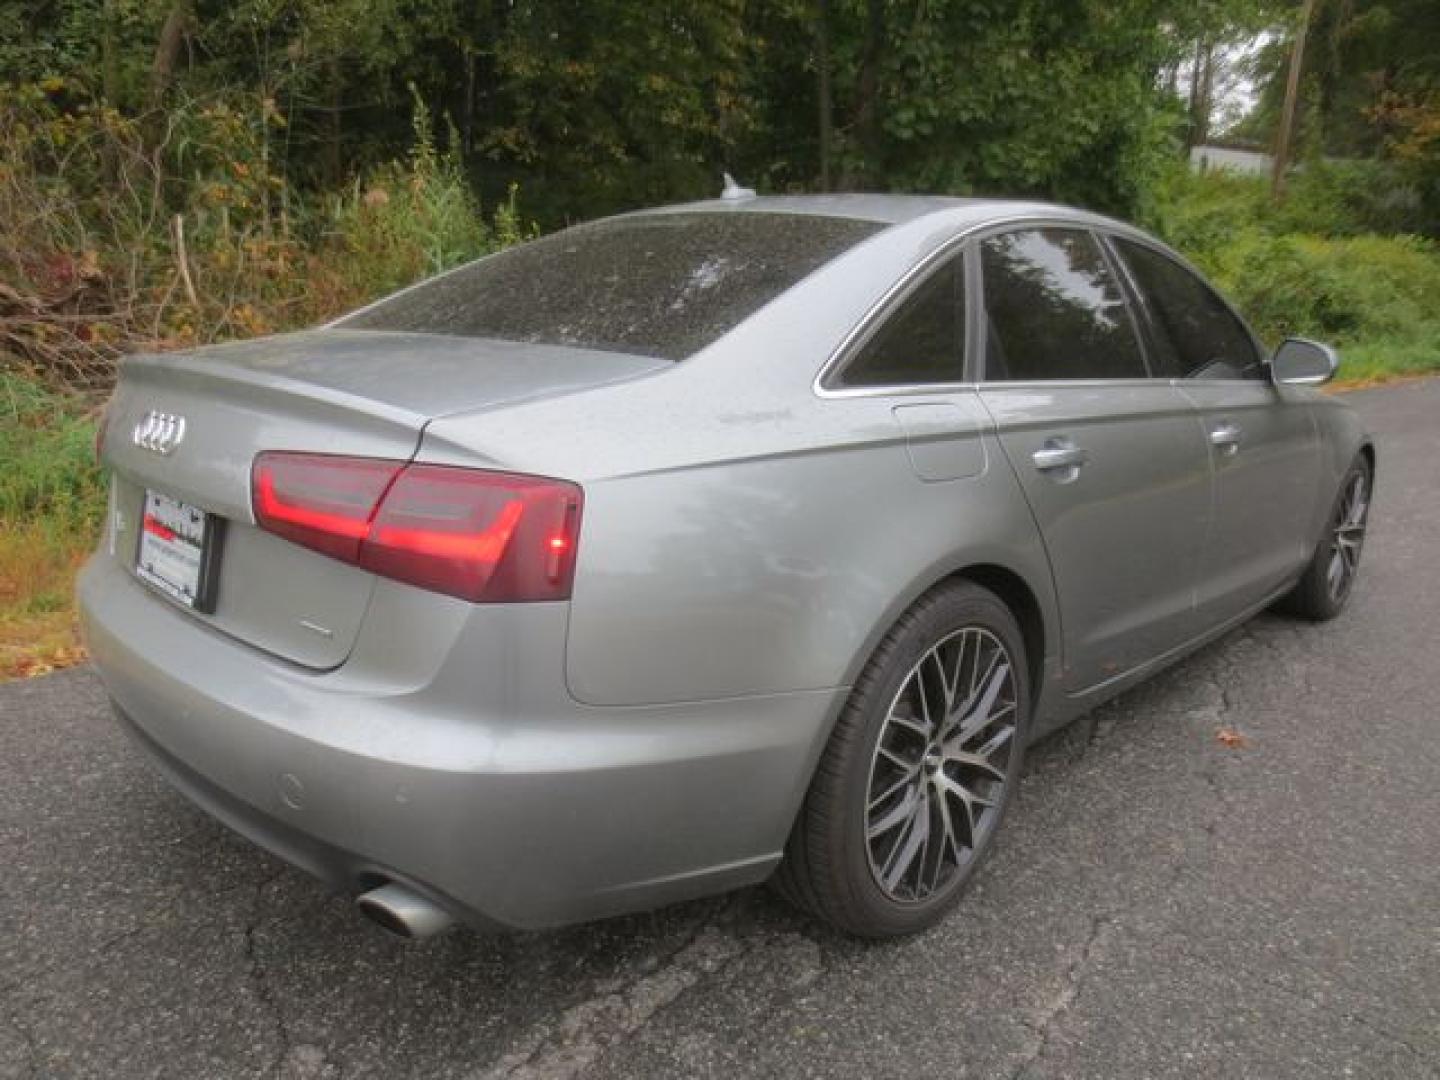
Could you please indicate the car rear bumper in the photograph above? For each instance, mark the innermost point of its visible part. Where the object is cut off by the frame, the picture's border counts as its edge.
(476, 779)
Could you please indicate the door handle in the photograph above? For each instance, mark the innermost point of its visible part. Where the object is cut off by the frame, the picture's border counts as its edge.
(1059, 454)
(1226, 437)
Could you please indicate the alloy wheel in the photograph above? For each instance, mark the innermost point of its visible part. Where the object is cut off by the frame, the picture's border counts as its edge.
(1348, 535)
(940, 766)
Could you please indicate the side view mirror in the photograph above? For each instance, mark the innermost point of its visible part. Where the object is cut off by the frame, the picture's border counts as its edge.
(1301, 362)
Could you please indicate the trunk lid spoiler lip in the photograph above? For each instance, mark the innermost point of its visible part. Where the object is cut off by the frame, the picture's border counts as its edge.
(294, 365)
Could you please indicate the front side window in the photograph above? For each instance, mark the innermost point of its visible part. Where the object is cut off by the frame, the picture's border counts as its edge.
(1054, 310)
(1196, 335)
(661, 285)
(921, 341)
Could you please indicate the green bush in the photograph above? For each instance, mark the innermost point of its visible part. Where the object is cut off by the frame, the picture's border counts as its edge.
(1316, 264)
(1200, 211)
(1350, 289)
(1349, 198)
(47, 444)
(1198, 214)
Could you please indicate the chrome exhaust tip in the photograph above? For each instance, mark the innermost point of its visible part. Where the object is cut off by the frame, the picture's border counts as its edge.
(403, 912)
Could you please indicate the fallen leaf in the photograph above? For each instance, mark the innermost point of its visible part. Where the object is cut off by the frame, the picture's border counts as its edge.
(31, 667)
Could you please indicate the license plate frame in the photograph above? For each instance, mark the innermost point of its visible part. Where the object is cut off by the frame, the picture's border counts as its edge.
(177, 552)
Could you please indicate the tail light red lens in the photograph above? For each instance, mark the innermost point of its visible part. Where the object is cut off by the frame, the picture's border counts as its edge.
(318, 501)
(482, 536)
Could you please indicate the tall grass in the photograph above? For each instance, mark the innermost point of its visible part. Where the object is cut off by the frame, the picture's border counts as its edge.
(116, 237)
(52, 499)
(47, 444)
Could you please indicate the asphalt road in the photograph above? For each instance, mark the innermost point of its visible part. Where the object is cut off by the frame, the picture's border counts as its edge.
(1161, 904)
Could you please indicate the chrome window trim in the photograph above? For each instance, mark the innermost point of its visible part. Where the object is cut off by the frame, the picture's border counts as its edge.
(874, 318)
(892, 390)
(866, 325)
(1065, 384)
(912, 389)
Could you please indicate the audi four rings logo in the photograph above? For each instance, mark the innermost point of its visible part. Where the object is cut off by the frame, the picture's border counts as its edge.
(158, 431)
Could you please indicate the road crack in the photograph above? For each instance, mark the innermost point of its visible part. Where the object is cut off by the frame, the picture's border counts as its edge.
(114, 940)
(259, 977)
(1050, 1012)
(32, 1047)
(617, 1011)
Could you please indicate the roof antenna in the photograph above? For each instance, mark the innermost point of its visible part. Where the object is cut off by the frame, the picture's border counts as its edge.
(733, 192)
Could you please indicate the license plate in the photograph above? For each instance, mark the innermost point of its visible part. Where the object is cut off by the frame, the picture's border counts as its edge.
(178, 551)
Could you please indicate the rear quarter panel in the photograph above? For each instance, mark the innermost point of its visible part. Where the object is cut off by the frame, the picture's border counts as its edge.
(742, 535)
(776, 573)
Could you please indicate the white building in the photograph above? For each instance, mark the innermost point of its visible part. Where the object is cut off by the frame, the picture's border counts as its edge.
(1249, 162)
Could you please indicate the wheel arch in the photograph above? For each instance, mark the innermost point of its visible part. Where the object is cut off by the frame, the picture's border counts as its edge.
(1033, 609)
(1017, 595)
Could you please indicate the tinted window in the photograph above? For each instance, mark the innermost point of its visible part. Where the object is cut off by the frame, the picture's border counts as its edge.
(1196, 335)
(1054, 310)
(660, 284)
(921, 341)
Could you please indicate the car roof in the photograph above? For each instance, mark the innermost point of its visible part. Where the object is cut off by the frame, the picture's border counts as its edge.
(884, 209)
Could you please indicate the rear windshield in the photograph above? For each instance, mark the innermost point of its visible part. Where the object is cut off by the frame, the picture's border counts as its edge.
(659, 285)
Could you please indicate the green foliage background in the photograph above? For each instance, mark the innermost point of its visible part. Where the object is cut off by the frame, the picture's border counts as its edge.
(177, 172)
(1311, 266)
(594, 106)
(174, 172)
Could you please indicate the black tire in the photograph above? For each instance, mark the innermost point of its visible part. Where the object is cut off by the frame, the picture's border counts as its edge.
(1315, 596)
(833, 860)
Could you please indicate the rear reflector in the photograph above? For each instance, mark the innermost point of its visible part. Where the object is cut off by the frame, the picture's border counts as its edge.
(482, 536)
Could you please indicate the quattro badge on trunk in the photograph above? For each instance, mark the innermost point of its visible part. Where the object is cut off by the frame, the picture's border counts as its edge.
(159, 431)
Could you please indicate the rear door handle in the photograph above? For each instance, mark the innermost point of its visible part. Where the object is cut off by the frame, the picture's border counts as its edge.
(1226, 437)
(1059, 454)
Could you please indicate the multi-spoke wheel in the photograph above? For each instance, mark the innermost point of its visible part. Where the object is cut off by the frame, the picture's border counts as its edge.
(939, 766)
(1328, 580)
(1348, 534)
(919, 770)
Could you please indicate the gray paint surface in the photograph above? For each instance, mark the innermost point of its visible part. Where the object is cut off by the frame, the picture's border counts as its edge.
(746, 540)
(1159, 905)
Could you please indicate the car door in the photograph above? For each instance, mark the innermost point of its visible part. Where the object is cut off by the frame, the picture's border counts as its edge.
(1112, 462)
(1262, 439)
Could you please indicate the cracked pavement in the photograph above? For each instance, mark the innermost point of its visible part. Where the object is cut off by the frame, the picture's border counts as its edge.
(1160, 904)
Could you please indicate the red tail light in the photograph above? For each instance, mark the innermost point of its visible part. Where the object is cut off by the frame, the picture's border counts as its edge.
(481, 536)
(321, 502)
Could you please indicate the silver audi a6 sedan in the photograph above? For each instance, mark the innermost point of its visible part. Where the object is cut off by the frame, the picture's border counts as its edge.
(677, 550)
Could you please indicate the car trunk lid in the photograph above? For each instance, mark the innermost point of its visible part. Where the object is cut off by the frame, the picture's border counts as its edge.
(364, 394)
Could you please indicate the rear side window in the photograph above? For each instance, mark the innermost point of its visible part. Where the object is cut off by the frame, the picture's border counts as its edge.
(661, 285)
(1054, 310)
(1196, 335)
(921, 341)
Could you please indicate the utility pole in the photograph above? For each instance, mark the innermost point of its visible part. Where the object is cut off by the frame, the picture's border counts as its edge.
(822, 64)
(1292, 97)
